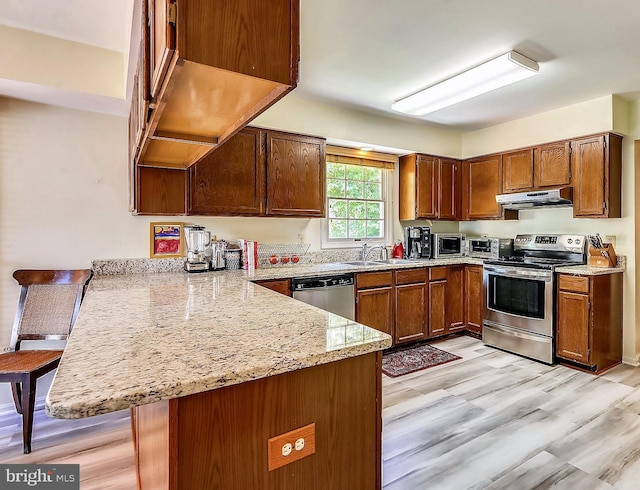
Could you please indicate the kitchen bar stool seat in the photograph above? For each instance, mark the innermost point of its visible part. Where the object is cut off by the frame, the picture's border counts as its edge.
(47, 309)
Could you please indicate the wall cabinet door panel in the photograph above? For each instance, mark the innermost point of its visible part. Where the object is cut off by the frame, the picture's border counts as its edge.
(597, 176)
(231, 180)
(483, 181)
(517, 168)
(295, 175)
(552, 165)
(162, 39)
(450, 190)
(426, 187)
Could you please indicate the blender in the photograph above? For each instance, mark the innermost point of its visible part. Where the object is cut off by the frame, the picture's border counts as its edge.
(198, 242)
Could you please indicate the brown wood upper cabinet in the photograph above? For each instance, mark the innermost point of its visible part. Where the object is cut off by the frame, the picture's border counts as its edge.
(482, 181)
(256, 173)
(231, 180)
(551, 167)
(517, 170)
(596, 164)
(430, 188)
(213, 66)
(295, 175)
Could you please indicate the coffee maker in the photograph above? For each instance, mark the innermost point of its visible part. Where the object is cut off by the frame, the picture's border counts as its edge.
(417, 242)
(198, 242)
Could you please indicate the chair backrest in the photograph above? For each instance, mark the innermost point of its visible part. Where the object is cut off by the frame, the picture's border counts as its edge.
(49, 303)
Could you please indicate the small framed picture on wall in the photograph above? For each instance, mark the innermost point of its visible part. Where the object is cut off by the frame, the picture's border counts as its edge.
(167, 240)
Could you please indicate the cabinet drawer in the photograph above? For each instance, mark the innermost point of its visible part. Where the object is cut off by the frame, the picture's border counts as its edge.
(437, 273)
(374, 279)
(411, 276)
(579, 284)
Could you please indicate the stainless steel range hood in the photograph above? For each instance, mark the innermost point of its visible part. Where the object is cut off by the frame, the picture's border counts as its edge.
(547, 198)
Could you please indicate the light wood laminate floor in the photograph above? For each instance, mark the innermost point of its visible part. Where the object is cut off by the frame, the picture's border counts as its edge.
(490, 420)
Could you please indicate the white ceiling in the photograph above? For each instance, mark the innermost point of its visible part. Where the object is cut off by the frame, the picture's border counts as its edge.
(369, 53)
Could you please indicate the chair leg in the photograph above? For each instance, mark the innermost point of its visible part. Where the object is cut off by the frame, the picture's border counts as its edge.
(16, 391)
(28, 402)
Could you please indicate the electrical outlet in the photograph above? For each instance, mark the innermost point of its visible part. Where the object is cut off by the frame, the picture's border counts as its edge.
(286, 449)
(300, 237)
(610, 239)
(280, 448)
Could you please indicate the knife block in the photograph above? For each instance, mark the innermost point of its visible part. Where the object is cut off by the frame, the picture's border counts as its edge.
(596, 259)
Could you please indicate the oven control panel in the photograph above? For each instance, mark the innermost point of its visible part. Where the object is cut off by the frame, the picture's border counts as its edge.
(560, 243)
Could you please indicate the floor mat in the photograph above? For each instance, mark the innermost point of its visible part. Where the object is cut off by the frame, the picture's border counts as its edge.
(412, 359)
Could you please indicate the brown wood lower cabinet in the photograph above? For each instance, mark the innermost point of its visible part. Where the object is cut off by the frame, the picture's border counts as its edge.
(590, 320)
(219, 438)
(375, 300)
(282, 286)
(421, 303)
(411, 300)
(474, 301)
(437, 299)
(455, 298)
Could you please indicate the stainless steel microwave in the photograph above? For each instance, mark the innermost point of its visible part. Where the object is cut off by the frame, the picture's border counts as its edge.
(448, 245)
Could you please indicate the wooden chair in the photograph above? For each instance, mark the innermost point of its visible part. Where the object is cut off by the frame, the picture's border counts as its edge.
(48, 307)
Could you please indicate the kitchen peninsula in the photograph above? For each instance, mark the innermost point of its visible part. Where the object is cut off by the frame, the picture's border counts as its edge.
(216, 366)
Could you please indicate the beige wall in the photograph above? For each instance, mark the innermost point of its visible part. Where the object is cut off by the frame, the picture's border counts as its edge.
(52, 62)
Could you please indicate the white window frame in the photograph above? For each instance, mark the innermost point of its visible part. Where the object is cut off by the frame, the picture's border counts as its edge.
(387, 191)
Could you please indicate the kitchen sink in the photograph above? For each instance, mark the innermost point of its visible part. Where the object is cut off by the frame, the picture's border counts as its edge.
(395, 261)
(365, 263)
(362, 263)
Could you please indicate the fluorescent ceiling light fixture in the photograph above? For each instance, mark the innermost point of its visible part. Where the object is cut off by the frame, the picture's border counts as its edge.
(504, 70)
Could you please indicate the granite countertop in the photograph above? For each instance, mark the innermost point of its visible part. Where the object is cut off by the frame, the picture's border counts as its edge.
(311, 270)
(145, 337)
(141, 338)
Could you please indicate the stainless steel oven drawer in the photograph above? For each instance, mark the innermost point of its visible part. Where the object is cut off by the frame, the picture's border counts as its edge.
(527, 344)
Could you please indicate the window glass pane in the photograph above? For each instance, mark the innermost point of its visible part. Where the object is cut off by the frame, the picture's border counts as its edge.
(335, 188)
(354, 189)
(354, 172)
(337, 228)
(374, 229)
(357, 228)
(372, 191)
(337, 208)
(356, 210)
(374, 210)
(335, 170)
(372, 174)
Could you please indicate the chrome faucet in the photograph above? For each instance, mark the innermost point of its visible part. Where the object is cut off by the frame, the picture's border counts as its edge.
(366, 251)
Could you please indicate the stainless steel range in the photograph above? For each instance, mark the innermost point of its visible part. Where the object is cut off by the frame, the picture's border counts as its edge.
(520, 294)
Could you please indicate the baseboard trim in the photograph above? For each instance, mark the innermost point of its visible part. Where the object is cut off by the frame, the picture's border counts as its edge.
(630, 361)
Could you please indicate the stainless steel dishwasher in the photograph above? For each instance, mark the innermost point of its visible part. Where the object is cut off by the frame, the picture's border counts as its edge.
(333, 293)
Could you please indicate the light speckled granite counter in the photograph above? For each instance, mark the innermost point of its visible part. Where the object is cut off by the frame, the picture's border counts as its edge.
(587, 270)
(141, 338)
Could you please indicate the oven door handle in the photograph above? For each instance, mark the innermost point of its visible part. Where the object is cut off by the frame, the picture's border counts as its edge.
(521, 273)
